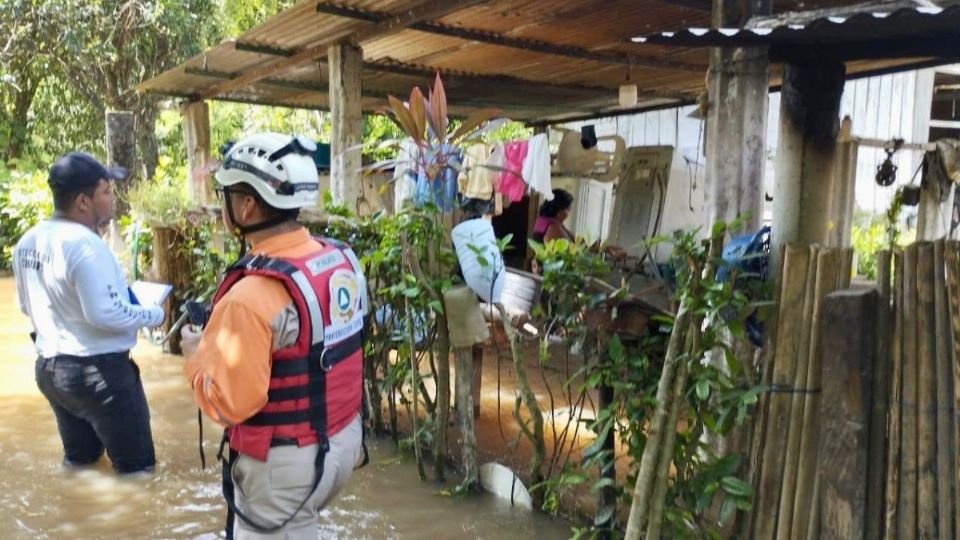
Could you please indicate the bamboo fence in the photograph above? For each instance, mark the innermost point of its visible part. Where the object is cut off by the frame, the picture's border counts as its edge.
(914, 437)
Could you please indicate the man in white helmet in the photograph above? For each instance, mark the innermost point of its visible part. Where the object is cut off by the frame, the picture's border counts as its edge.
(279, 363)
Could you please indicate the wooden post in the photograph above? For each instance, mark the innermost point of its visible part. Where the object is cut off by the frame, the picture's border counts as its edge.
(927, 397)
(172, 264)
(880, 405)
(122, 151)
(849, 333)
(946, 425)
(196, 138)
(907, 502)
(805, 496)
(895, 406)
(738, 84)
(796, 266)
(806, 153)
(952, 256)
(845, 182)
(468, 435)
(346, 70)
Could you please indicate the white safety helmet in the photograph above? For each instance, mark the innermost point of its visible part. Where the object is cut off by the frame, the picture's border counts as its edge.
(279, 167)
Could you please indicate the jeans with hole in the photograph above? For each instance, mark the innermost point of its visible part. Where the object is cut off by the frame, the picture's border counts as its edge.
(99, 404)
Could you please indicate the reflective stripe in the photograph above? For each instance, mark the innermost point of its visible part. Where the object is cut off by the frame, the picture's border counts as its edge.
(357, 269)
(313, 304)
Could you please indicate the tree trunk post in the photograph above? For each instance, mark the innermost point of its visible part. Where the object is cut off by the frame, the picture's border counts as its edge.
(122, 152)
(346, 69)
(196, 137)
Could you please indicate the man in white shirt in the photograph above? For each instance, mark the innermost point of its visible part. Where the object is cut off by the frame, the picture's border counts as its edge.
(85, 321)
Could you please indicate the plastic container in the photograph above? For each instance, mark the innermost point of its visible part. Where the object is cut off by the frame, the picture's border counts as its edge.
(480, 258)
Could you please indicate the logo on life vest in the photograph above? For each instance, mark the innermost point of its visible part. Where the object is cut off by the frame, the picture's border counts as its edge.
(344, 297)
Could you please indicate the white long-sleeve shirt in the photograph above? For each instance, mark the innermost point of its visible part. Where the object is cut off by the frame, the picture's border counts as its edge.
(73, 290)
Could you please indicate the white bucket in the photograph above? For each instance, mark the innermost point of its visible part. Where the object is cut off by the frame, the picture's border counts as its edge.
(473, 240)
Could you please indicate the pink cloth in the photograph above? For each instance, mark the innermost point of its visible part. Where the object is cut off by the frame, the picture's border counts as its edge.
(511, 183)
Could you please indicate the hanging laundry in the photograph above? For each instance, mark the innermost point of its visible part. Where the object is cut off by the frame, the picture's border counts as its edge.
(476, 180)
(405, 174)
(442, 189)
(511, 182)
(536, 166)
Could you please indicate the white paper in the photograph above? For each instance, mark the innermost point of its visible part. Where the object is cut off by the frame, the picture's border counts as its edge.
(149, 293)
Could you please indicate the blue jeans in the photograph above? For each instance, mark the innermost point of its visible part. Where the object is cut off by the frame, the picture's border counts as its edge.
(99, 404)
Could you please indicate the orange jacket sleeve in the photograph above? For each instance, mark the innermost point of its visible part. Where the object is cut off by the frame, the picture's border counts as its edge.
(230, 371)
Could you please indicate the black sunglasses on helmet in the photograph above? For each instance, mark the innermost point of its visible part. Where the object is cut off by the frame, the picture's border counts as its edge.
(299, 144)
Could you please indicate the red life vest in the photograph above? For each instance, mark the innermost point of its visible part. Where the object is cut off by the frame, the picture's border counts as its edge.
(316, 383)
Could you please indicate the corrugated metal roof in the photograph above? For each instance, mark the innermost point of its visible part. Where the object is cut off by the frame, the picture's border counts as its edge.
(523, 72)
(833, 34)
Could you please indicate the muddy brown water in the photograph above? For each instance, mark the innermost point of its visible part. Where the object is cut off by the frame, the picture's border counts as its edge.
(39, 499)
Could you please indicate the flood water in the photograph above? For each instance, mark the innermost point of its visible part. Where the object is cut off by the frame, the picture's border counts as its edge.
(39, 499)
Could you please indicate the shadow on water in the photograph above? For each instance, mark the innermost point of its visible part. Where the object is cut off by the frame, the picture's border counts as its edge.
(39, 499)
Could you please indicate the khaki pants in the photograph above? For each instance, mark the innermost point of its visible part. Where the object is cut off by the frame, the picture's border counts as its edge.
(269, 492)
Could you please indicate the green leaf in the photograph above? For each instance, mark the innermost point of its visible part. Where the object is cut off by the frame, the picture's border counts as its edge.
(703, 389)
(736, 486)
(726, 510)
(604, 515)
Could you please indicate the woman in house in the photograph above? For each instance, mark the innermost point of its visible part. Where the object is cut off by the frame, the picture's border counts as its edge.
(549, 225)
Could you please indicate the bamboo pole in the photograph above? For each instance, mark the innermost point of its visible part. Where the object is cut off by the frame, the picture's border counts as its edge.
(529, 399)
(677, 398)
(926, 396)
(879, 392)
(640, 505)
(894, 425)
(414, 376)
(846, 268)
(796, 263)
(907, 503)
(946, 482)
(760, 418)
(670, 436)
(784, 514)
(806, 497)
(953, 292)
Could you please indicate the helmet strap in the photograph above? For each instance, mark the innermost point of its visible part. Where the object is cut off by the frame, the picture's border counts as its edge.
(243, 230)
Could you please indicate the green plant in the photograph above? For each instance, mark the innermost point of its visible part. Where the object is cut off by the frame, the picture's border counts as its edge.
(874, 233)
(711, 399)
(162, 200)
(439, 142)
(24, 201)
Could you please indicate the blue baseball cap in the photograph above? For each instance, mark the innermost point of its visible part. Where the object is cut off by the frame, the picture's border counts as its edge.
(79, 170)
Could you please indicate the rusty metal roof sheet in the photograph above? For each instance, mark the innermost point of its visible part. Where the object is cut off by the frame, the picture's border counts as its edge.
(535, 59)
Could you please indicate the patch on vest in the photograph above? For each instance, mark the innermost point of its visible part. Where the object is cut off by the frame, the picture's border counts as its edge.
(346, 316)
(326, 261)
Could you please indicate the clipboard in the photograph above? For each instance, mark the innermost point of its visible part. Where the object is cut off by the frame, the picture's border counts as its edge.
(149, 293)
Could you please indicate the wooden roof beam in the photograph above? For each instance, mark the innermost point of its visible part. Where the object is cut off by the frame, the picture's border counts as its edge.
(389, 25)
(492, 38)
(597, 93)
(402, 68)
(705, 6)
